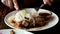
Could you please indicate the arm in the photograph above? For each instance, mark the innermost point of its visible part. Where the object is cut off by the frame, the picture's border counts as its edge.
(11, 4)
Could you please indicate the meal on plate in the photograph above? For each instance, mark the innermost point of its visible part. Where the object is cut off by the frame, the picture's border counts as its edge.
(30, 19)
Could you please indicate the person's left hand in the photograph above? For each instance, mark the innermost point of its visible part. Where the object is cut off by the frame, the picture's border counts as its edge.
(11, 4)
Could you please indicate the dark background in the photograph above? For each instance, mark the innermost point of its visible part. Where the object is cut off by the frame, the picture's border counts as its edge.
(55, 7)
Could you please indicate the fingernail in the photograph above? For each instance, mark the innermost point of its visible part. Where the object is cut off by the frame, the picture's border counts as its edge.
(17, 8)
(44, 2)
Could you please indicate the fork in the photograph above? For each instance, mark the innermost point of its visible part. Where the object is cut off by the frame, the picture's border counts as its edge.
(39, 7)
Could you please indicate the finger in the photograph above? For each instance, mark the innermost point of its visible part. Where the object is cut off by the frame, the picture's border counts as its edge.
(45, 1)
(5, 2)
(16, 6)
(49, 3)
(10, 4)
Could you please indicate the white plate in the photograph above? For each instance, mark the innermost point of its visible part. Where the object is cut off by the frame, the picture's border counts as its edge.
(17, 31)
(52, 23)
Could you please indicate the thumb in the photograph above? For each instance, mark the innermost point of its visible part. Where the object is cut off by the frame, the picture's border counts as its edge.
(16, 6)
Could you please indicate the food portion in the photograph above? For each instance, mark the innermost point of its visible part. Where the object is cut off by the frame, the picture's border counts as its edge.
(24, 19)
(12, 32)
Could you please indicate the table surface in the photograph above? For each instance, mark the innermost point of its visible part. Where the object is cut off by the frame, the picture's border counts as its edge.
(55, 29)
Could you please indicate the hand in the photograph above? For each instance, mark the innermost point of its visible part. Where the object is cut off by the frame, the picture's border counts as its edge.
(11, 4)
(47, 2)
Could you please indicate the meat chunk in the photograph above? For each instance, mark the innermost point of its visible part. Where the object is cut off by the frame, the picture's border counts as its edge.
(39, 21)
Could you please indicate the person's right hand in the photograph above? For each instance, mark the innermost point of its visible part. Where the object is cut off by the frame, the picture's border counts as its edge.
(47, 2)
(11, 4)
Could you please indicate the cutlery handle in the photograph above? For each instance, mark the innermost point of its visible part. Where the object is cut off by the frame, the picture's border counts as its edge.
(42, 5)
